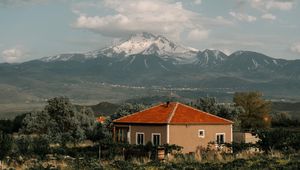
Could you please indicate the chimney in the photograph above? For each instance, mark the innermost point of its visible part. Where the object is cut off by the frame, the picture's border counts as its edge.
(167, 103)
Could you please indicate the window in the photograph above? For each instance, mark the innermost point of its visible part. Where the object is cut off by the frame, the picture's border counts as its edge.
(156, 139)
(140, 138)
(201, 133)
(122, 134)
(220, 138)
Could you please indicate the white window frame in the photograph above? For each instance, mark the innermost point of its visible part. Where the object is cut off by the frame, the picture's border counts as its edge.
(152, 138)
(203, 133)
(136, 138)
(220, 134)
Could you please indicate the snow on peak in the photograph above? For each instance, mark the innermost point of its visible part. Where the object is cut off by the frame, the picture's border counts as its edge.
(141, 43)
(61, 57)
(147, 43)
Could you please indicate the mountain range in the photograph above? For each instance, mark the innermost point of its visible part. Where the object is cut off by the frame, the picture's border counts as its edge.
(146, 60)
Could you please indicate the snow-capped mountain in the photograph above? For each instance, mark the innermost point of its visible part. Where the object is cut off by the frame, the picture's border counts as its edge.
(146, 43)
(149, 53)
(153, 61)
(140, 44)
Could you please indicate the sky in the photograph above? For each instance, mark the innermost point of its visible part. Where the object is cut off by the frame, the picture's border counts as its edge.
(31, 29)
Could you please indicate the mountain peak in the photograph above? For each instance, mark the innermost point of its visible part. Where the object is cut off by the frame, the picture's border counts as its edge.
(147, 43)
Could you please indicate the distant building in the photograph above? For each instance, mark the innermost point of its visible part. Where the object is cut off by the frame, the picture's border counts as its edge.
(173, 123)
(101, 119)
(245, 137)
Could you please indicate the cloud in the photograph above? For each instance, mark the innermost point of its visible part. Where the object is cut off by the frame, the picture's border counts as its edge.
(196, 35)
(295, 48)
(268, 16)
(266, 5)
(12, 55)
(197, 2)
(127, 17)
(19, 2)
(242, 17)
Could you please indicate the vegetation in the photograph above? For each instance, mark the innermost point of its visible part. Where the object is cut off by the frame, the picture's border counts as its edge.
(283, 119)
(60, 122)
(5, 144)
(127, 109)
(63, 136)
(256, 110)
(210, 105)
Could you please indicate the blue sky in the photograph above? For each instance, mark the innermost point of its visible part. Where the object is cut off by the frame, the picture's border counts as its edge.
(31, 29)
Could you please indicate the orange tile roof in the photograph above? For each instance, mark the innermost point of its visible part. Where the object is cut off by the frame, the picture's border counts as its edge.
(100, 119)
(174, 113)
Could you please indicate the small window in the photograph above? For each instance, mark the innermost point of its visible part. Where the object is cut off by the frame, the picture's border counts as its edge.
(139, 138)
(201, 133)
(220, 138)
(156, 139)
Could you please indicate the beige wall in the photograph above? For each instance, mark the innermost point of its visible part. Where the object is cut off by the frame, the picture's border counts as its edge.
(148, 130)
(187, 135)
(244, 137)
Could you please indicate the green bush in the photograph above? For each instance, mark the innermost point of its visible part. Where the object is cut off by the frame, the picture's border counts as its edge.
(279, 139)
(23, 145)
(124, 165)
(40, 146)
(5, 144)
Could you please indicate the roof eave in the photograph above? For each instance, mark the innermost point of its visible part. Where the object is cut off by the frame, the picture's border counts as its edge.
(197, 123)
(160, 123)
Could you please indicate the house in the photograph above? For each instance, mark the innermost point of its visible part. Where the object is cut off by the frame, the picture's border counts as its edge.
(173, 123)
(101, 119)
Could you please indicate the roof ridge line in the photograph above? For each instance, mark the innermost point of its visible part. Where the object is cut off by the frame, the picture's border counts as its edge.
(137, 112)
(172, 114)
(207, 113)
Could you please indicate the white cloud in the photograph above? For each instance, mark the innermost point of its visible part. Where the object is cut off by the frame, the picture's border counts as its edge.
(20, 2)
(12, 55)
(268, 16)
(160, 17)
(295, 48)
(198, 2)
(266, 5)
(243, 17)
(198, 35)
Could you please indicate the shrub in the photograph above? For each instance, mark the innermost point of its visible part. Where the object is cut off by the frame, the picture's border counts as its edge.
(23, 145)
(40, 146)
(5, 144)
(124, 165)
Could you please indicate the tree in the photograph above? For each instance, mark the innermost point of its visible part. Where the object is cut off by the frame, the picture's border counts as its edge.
(127, 109)
(37, 123)
(207, 104)
(87, 120)
(5, 144)
(283, 119)
(60, 121)
(98, 136)
(210, 105)
(256, 109)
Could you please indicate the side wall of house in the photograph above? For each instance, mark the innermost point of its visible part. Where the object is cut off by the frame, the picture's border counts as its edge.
(148, 130)
(187, 135)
